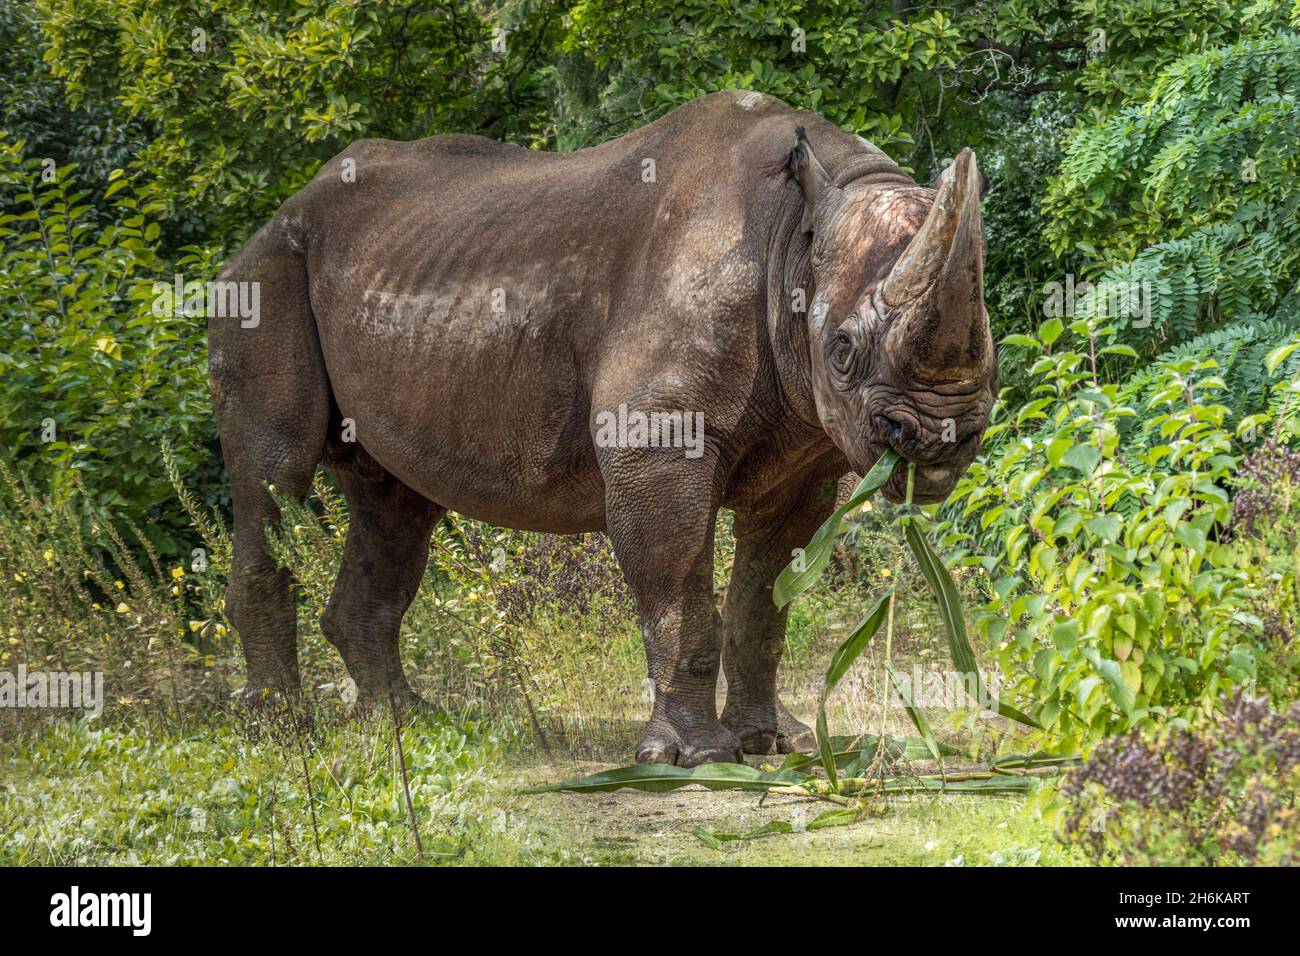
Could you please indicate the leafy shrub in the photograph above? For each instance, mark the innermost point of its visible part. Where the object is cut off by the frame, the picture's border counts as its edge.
(92, 383)
(1265, 531)
(1240, 352)
(1222, 794)
(35, 110)
(853, 54)
(1113, 602)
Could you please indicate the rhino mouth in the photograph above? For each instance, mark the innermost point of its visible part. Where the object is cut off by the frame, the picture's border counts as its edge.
(926, 489)
(932, 483)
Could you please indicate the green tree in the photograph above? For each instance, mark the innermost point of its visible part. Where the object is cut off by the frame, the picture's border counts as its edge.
(1192, 194)
(245, 99)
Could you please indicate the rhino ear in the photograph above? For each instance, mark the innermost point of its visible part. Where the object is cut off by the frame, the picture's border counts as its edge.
(802, 166)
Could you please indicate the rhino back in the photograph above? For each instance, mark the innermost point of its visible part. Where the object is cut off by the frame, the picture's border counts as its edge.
(478, 302)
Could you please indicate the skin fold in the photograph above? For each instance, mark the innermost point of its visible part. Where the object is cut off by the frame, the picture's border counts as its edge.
(448, 323)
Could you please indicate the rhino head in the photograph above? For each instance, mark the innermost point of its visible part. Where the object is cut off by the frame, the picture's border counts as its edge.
(902, 353)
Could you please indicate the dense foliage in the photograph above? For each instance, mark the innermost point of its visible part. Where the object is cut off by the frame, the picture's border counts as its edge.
(92, 382)
(1192, 194)
(1131, 529)
(244, 100)
(1115, 600)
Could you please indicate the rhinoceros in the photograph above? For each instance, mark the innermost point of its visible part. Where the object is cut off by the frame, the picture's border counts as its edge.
(704, 313)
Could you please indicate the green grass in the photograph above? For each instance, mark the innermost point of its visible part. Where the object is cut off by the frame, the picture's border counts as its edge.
(134, 791)
(141, 793)
(171, 775)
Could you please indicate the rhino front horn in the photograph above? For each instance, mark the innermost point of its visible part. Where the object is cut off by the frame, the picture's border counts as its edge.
(937, 285)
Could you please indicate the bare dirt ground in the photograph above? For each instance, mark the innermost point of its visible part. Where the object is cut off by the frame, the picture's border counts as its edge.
(657, 829)
(630, 827)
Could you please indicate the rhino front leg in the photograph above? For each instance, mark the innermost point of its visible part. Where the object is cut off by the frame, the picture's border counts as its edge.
(753, 628)
(659, 515)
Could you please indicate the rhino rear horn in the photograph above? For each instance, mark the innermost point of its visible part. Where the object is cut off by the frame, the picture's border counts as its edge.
(937, 285)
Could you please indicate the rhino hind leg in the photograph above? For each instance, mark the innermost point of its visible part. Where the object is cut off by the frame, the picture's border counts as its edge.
(272, 402)
(753, 628)
(383, 564)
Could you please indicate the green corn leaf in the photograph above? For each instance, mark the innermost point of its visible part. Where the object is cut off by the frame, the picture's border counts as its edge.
(823, 749)
(1010, 763)
(834, 818)
(792, 581)
(856, 642)
(831, 818)
(713, 842)
(863, 747)
(952, 783)
(718, 840)
(994, 784)
(663, 777)
(841, 661)
(954, 623)
(914, 712)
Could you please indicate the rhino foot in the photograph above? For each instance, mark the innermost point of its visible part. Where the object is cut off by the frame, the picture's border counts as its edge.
(793, 736)
(407, 702)
(757, 736)
(663, 743)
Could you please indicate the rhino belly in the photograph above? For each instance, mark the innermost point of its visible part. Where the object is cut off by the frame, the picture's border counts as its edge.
(477, 404)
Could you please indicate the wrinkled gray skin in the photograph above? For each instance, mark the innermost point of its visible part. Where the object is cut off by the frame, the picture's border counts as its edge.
(671, 294)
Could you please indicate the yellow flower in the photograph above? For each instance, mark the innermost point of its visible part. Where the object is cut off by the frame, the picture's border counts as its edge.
(178, 573)
(194, 626)
(119, 585)
(885, 572)
(124, 608)
(221, 630)
(49, 555)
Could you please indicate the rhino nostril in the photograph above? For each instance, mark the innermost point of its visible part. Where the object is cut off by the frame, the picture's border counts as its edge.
(936, 475)
(892, 427)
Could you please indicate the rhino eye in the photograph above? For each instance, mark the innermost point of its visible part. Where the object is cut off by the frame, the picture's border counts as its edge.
(841, 352)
